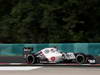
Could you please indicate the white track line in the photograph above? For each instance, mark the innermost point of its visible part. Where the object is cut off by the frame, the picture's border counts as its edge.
(16, 63)
(85, 64)
(13, 68)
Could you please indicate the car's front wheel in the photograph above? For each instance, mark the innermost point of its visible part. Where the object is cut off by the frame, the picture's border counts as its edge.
(80, 58)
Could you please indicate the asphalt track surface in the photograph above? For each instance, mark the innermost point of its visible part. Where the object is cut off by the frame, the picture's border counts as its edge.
(21, 59)
(10, 68)
(49, 70)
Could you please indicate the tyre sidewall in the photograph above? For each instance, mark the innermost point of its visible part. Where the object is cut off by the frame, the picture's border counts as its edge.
(33, 59)
(83, 58)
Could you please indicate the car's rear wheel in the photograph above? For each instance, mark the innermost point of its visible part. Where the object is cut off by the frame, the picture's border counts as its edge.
(30, 59)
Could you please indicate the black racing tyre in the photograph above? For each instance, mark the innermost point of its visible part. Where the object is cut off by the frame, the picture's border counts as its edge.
(80, 58)
(30, 59)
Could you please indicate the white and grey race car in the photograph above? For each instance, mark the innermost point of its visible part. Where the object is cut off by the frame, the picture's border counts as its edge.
(53, 55)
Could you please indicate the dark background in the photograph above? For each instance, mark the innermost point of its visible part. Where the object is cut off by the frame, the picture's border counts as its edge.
(49, 21)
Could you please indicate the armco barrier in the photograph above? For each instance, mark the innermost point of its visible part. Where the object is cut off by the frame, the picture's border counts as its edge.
(17, 49)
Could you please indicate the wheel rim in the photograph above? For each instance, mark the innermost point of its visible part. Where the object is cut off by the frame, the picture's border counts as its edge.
(30, 59)
(80, 59)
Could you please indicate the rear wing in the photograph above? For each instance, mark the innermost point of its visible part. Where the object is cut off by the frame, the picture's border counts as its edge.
(27, 50)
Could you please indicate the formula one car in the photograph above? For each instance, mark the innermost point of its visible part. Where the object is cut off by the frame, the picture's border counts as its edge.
(53, 55)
